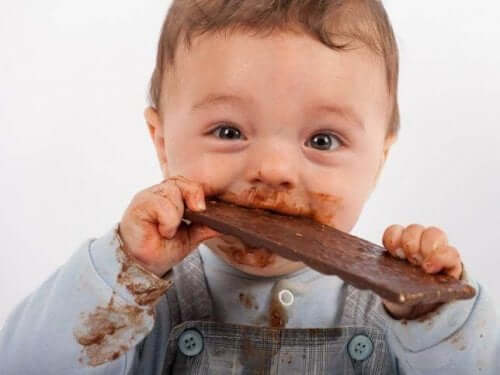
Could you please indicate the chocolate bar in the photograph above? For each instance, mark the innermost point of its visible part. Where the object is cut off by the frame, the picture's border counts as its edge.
(332, 252)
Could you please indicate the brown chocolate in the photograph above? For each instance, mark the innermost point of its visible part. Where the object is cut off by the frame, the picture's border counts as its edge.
(330, 251)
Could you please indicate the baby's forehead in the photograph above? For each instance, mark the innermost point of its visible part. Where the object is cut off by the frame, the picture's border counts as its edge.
(293, 60)
(281, 79)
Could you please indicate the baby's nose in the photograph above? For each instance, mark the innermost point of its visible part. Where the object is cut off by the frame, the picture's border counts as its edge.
(274, 165)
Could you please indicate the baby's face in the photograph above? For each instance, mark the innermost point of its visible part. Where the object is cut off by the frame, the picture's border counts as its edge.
(280, 122)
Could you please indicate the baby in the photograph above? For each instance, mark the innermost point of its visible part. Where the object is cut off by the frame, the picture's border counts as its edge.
(289, 106)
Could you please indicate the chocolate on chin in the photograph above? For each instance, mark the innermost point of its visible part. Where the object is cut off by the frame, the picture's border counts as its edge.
(330, 251)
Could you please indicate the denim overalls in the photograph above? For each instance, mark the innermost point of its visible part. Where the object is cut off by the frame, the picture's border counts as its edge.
(198, 345)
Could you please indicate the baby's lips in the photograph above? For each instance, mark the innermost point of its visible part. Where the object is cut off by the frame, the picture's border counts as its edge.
(210, 191)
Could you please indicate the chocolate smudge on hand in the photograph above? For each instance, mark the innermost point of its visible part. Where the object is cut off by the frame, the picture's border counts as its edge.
(144, 286)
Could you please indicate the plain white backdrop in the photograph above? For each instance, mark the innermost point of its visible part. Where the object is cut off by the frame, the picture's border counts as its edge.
(74, 147)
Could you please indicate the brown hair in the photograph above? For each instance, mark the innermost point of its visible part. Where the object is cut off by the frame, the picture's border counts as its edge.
(336, 23)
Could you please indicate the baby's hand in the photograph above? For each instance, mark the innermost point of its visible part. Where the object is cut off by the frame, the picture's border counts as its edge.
(152, 230)
(424, 247)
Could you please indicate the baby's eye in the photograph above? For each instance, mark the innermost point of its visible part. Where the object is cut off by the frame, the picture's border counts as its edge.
(227, 132)
(324, 141)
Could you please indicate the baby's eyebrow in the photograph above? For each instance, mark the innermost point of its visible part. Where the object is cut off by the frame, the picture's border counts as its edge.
(216, 98)
(346, 112)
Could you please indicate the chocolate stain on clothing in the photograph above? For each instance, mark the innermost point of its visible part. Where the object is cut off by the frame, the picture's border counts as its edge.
(257, 359)
(111, 330)
(248, 301)
(278, 316)
(145, 290)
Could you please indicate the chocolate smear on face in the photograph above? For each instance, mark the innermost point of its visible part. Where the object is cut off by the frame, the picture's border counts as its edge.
(247, 255)
(320, 207)
(324, 208)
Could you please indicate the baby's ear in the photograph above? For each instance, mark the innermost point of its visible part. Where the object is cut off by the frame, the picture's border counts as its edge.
(389, 141)
(153, 121)
(155, 128)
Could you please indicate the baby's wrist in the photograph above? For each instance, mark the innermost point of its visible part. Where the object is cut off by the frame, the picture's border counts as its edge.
(400, 312)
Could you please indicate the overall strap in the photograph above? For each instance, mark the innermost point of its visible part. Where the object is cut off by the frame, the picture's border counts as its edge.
(361, 308)
(189, 298)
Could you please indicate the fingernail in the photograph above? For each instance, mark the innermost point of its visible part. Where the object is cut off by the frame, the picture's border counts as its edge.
(400, 253)
(416, 259)
(428, 266)
(201, 205)
(171, 233)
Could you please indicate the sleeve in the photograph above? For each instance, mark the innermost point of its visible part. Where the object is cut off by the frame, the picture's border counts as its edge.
(86, 318)
(460, 337)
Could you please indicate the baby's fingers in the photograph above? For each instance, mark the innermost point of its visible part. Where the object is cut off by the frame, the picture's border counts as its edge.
(446, 258)
(410, 242)
(198, 233)
(432, 239)
(163, 211)
(392, 240)
(192, 193)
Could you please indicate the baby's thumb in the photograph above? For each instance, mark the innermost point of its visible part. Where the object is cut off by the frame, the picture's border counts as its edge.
(199, 233)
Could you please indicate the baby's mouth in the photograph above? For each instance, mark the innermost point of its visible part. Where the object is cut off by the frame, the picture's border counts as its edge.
(281, 202)
(235, 249)
(240, 253)
(256, 257)
(320, 207)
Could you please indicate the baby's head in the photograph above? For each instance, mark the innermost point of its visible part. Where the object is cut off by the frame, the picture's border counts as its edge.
(289, 106)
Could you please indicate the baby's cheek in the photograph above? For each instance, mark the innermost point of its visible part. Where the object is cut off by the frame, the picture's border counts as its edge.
(340, 211)
(213, 180)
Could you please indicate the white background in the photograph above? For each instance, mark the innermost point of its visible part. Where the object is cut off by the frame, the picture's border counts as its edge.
(74, 148)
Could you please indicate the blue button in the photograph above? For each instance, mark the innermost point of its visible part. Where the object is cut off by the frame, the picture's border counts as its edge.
(190, 343)
(360, 347)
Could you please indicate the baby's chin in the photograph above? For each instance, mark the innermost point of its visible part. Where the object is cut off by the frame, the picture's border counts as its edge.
(254, 261)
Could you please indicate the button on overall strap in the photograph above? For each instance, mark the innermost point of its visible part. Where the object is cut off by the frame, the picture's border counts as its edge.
(189, 298)
(205, 347)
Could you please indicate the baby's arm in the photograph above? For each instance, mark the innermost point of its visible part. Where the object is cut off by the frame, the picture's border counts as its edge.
(81, 320)
(460, 337)
(90, 314)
